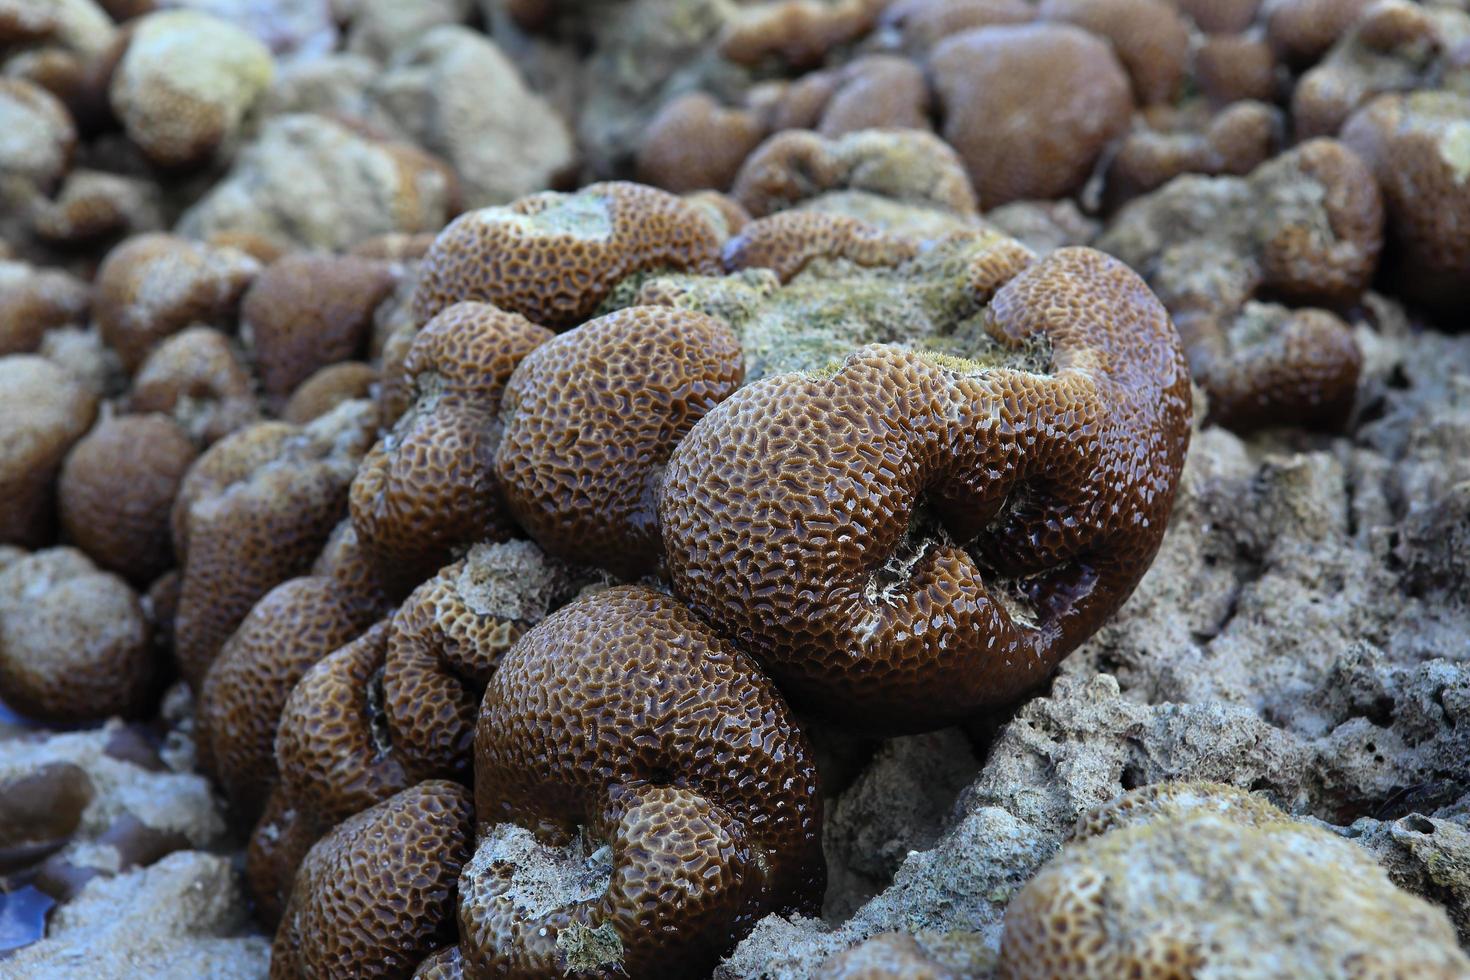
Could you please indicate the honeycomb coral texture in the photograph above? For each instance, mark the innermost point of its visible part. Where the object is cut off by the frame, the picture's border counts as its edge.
(794, 513)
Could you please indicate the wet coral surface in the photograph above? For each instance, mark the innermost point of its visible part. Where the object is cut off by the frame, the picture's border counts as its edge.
(749, 489)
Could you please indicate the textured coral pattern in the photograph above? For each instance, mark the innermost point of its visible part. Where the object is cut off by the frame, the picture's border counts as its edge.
(292, 627)
(305, 312)
(376, 895)
(430, 483)
(254, 511)
(590, 420)
(554, 257)
(906, 539)
(624, 714)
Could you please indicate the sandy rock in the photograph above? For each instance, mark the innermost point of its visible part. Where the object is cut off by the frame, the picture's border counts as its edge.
(453, 93)
(310, 182)
(184, 917)
(382, 28)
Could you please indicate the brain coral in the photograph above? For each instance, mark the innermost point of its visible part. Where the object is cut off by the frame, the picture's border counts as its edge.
(198, 379)
(1055, 92)
(185, 83)
(1203, 880)
(554, 257)
(117, 488)
(398, 704)
(910, 166)
(1235, 140)
(155, 285)
(1394, 46)
(74, 644)
(1150, 37)
(43, 411)
(1307, 225)
(289, 629)
(788, 241)
(590, 419)
(429, 484)
(34, 300)
(375, 896)
(946, 530)
(1267, 365)
(305, 312)
(1418, 146)
(254, 511)
(623, 714)
(695, 143)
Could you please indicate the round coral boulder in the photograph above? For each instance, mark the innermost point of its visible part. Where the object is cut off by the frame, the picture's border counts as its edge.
(624, 714)
(907, 539)
(590, 420)
(1029, 107)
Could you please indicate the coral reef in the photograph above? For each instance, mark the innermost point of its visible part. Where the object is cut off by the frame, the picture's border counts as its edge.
(426, 552)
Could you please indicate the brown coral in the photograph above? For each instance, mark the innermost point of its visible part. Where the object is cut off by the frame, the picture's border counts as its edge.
(34, 300)
(946, 530)
(74, 644)
(1234, 141)
(624, 714)
(924, 23)
(554, 257)
(328, 388)
(694, 143)
(1304, 30)
(117, 488)
(590, 419)
(1418, 146)
(787, 241)
(876, 91)
(92, 206)
(1266, 365)
(1394, 46)
(196, 378)
(911, 167)
(1149, 36)
(1030, 107)
(376, 895)
(292, 627)
(798, 33)
(1235, 67)
(305, 312)
(48, 136)
(254, 511)
(429, 485)
(154, 285)
(43, 412)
